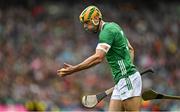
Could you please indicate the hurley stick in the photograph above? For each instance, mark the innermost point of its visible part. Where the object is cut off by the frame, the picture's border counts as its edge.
(151, 94)
(91, 101)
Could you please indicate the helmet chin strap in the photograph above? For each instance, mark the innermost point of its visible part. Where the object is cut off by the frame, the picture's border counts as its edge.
(96, 24)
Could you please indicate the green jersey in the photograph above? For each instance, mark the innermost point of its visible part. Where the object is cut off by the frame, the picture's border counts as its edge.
(118, 55)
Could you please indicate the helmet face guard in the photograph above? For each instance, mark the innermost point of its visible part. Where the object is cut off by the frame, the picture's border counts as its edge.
(89, 14)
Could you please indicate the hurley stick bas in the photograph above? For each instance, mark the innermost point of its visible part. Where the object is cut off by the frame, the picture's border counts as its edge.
(151, 94)
(91, 101)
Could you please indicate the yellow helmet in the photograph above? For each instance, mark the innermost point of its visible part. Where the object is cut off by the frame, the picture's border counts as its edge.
(89, 13)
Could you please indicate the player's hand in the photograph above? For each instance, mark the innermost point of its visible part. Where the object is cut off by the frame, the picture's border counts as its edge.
(66, 70)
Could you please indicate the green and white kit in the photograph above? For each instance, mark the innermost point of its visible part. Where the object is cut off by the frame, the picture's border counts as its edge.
(118, 54)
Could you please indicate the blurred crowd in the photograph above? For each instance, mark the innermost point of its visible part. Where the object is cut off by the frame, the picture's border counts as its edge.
(35, 42)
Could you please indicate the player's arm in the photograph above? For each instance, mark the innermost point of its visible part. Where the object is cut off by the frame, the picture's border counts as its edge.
(131, 49)
(95, 59)
(101, 50)
(92, 60)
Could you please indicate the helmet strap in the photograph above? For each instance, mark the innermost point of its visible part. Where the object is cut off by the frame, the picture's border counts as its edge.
(96, 23)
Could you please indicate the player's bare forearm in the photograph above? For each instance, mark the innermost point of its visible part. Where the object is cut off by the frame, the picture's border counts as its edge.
(89, 62)
(69, 69)
(132, 54)
(131, 49)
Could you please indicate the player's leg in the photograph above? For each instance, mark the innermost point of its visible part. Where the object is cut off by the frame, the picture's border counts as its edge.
(132, 93)
(132, 104)
(116, 102)
(115, 105)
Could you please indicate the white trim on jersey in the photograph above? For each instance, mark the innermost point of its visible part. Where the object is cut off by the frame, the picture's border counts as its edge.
(102, 25)
(99, 46)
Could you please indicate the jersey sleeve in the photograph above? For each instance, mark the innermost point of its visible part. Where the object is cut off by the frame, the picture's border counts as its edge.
(106, 37)
(105, 40)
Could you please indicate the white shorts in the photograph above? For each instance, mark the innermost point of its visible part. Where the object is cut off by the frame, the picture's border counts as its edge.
(128, 87)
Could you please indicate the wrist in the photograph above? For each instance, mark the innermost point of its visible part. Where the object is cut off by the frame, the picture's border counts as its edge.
(76, 68)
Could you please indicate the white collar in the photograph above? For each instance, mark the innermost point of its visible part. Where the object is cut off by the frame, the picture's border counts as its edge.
(102, 25)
